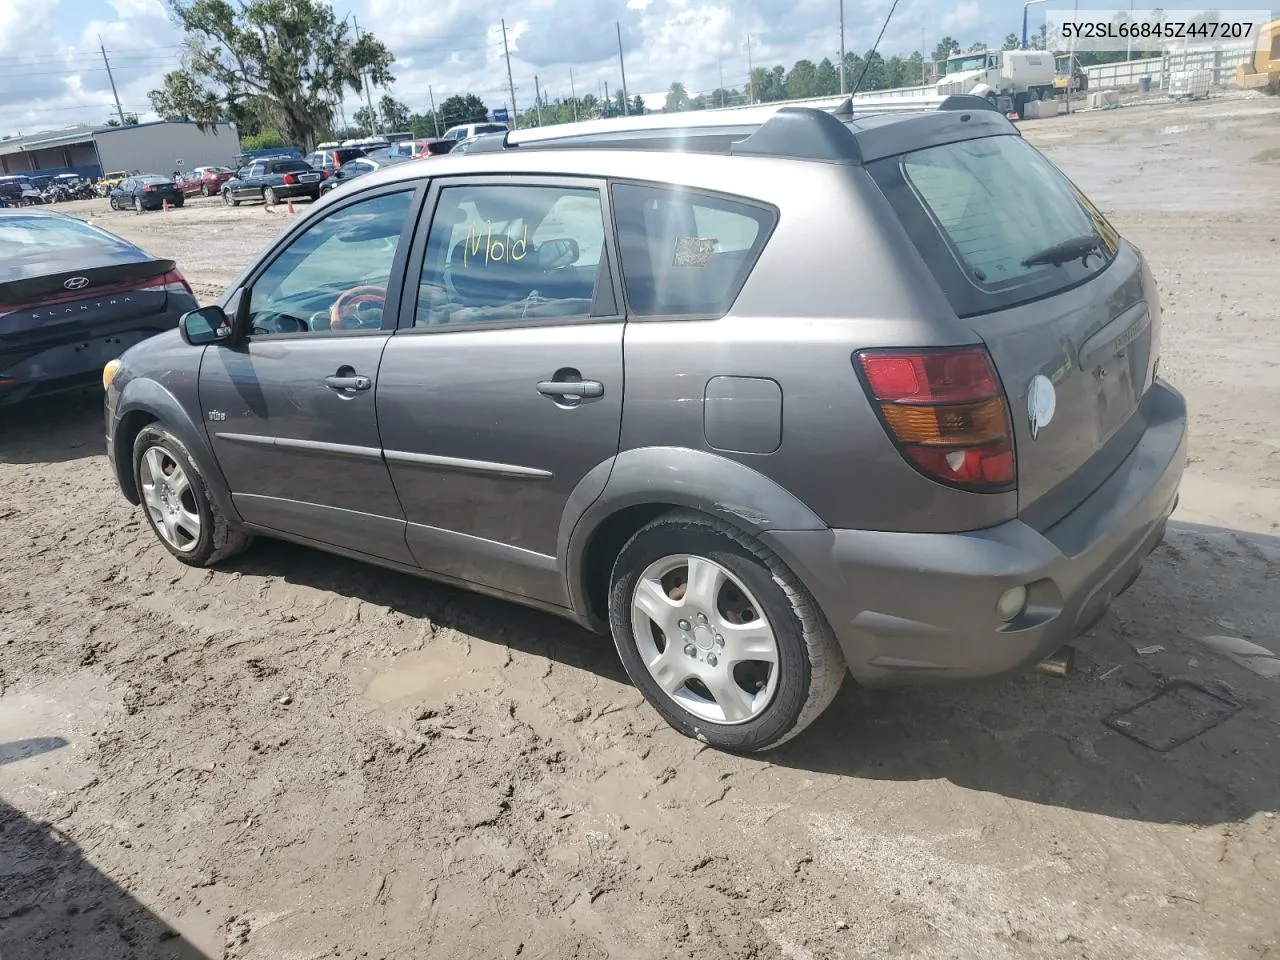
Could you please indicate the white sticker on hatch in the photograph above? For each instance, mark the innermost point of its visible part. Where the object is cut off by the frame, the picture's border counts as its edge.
(1042, 401)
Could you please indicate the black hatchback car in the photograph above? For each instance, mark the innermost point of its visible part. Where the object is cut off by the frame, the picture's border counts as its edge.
(72, 297)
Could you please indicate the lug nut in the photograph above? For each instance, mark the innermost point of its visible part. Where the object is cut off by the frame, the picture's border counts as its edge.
(719, 641)
(690, 650)
(683, 625)
(702, 618)
(711, 659)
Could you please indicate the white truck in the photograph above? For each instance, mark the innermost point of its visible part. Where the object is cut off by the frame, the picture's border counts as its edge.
(1008, 78)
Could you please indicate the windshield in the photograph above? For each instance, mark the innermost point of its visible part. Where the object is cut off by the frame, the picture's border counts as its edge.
(981, 211)
(964, 64)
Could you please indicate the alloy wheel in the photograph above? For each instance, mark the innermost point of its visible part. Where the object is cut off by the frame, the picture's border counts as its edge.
(169, 499)
(704, 639)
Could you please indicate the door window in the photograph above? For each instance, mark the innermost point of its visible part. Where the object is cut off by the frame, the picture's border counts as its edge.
(334, 276)
(499, 253)
(684, 253)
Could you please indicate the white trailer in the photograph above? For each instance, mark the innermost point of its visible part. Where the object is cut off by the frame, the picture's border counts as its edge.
(1010, 79)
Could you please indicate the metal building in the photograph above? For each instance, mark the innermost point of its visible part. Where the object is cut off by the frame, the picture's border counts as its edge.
(160, 147)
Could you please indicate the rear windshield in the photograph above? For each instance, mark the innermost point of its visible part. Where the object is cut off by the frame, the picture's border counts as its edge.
(291, 166)
(20, 236)
(985, 212)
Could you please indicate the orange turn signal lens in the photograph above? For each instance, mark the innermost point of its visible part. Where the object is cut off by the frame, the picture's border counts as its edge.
(959, 424)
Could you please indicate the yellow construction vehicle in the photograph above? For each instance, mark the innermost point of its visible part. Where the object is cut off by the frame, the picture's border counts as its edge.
(1065, 78)
(1264, 70)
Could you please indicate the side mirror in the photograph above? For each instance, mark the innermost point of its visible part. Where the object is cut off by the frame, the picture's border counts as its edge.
(205, 325)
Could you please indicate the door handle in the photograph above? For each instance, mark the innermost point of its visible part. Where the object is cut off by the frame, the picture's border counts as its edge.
(354, 382)
(571, 388)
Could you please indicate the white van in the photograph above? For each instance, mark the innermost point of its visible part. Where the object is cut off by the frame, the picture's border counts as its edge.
(464, 130)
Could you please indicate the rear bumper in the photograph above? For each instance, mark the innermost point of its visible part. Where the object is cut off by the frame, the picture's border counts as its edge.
(294, 191)
(909, 607)
(72, 364)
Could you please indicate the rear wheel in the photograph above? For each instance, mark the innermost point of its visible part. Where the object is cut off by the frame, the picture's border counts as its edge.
(720, 637)
(269, 197)
(177, 504)
(137, 204)
(204, 190)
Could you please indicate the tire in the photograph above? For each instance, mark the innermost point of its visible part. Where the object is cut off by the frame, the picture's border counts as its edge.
(215, 539)
(229, 200)
(269, 197)
(180, 201)
(112, 201)
(137, 204)
(772, 703)
(204, 190)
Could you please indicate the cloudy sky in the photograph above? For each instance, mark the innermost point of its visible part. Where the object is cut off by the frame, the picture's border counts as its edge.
(52, 74)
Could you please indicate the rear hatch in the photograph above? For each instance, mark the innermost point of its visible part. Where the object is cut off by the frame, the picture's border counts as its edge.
(1066, 309)
(64, 281)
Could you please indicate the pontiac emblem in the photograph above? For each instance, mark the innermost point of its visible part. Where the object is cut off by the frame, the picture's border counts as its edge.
(1042, 400)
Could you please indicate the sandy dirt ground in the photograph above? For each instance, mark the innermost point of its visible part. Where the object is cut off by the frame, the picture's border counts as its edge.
(294, 756)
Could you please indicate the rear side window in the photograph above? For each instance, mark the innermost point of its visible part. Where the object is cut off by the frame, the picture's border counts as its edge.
(686, 253)
(997, 223)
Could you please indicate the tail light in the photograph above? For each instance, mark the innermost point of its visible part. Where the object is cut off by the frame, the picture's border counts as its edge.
(150, 188)
(171, 282)
(290, 179)
(947, 412)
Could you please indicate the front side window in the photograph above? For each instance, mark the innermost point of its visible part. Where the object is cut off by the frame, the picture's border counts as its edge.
(501, 253)
(334, 276)
(685, 253)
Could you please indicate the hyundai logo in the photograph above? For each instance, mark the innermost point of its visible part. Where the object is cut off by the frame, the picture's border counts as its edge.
(76, 283)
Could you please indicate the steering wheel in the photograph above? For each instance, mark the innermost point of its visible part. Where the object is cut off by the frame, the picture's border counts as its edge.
(345, 312)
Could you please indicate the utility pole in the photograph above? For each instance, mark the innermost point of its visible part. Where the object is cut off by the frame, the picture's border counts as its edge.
(537, 98)
(721, 64)
(435, 117)
(607, 104)
(515, 122)
(119, 111)
(364, 77)
(574, 94)
(842, 48)
(923, 54)
(626, 105)
(751, 87)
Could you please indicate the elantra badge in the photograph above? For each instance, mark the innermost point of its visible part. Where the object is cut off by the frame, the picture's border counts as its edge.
(76, 283)
(1042, 401)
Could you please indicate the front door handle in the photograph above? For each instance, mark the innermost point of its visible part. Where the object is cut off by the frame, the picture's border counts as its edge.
(354, 382)
(571, 388)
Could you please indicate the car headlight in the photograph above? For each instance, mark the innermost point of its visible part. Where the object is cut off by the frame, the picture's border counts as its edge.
(109, 372)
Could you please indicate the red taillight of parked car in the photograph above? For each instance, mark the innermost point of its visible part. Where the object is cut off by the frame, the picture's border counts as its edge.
(290, 179)
(171, 282)
(946, 410)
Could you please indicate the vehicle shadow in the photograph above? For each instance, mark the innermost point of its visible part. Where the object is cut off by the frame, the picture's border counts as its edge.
(488, 619)
(1031, 737)
(54, 903)
(1043, 739)
(54, 429)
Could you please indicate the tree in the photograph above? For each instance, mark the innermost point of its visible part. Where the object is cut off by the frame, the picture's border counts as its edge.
(945, 48)
(266, 140)
(915, 69)
(1011, 41)
(802, 80)
(677, 97)
(637, 105)
(827, 78)
(975, 47)
(424, 125)
(367, 121)
(288, 63)
(130, 120)
(463, 108)
(395, 115)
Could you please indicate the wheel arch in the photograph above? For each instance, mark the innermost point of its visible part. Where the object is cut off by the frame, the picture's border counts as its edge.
(144, 402)
(623, 494)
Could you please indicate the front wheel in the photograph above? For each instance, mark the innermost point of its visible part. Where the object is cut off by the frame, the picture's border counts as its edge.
(112, 201)
(229, 200)
(176, 501)
(720, 637)
(204, 190)
(269, 197)
(137, 204)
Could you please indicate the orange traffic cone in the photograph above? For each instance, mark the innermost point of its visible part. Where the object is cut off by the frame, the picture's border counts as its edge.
(166, 204)
(289, 200)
